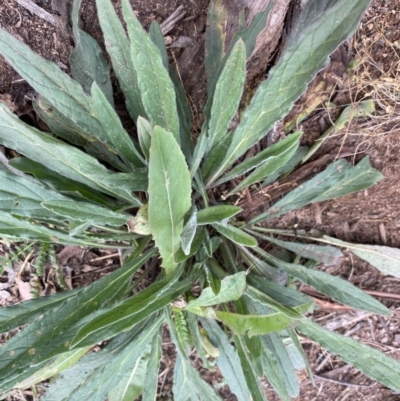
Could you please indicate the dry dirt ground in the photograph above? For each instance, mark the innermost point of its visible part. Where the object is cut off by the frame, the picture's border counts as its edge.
(371, 216)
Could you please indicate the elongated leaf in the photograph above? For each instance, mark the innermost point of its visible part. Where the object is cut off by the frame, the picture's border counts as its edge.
(253, 325)
(185, 116)
(188, 384)
(132, 384)
(125, 315)
(285, 295)
(66, 160)
(116, 134)
(50, 335)
(18, 228)
(288, 167)
(22, 196)
(27, 311)
(256, 391)
(86, 212)
(371, 362)
(189, 232)
(226, 99)
(60, 183)
(87, 61)
(339, 178)
(64, 361)
(232, 288)
(169, 195)
(235, 234)
(335, 287)
(217, 214)
(259, 297)
(60, 125)
(63, 388)
(157, 38)
(156, 89)
(383, 258)
(144, 130)
(228, 361)
(279, 368)
(153, 366)
(270, 165)
(118, 48)
(274, 156)
(328, 255)
(65, 94)
(215, 36)
(288, 80)
(196, 244)
(274, 375)
(122, 379)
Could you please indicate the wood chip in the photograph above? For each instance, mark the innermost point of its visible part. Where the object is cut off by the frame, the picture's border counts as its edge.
(35, 9)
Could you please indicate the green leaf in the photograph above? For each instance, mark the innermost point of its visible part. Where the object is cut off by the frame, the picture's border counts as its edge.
(285, 295)
(235, 234)
(272, 163)
(87, 61)
(283, 149)
(27, 311)
(66, 160)
(61, 363)
(188, 384)
(253, 344)
(185, 116)
(338, 179)
(60, 125)
(289, 78)
(226, 98)
(279, 369)
(59, 183)
(50, 335)
(189, 232)
(287, 168)
(328, 255)
(196, 244)
(117, 137)
(259, 297)
(228, 361)
(157, 38)
(156, 88)
(232, 288)
(335, 287)
(383, 258)
(254, 325)
(153, 366)
(86, 212)
(217, 214)
(215, 37)
(169, 195)
(126, 314)
(22, 196)
(256, 391)
(115, 373)
(144, 130)
(65, 94)
(118, 48)
(371, 362)
(17, 228)
(132, 384)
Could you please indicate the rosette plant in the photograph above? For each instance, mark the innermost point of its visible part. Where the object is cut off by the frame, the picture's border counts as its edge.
(163, 199)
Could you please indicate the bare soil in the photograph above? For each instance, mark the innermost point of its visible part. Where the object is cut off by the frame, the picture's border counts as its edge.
(370, 217)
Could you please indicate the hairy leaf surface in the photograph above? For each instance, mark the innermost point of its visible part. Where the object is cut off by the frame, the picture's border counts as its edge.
(169, 195)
